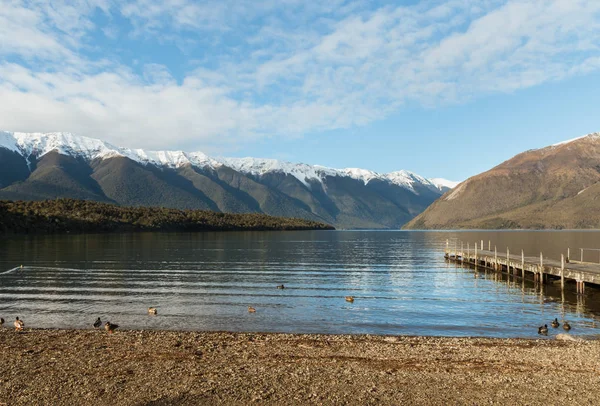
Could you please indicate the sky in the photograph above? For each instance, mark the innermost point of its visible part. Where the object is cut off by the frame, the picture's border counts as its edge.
(442, 88)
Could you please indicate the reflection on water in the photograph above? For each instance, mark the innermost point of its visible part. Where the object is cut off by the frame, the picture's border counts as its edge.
(206, 281)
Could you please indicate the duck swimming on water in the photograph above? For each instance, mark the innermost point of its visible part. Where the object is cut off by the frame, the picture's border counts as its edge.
(543, 330)
(555, 323)
(251, 309)
(350, 299)
(566, 326)
(152, 310)
(280, 286)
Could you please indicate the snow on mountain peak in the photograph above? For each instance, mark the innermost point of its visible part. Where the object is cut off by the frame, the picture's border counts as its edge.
(441, 183)
(407, 179)
(39, 144)
(261, 166)
(362, 174)
(591, 135)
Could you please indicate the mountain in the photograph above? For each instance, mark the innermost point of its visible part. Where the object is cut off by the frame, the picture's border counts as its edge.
(553, 187)
(39, 166)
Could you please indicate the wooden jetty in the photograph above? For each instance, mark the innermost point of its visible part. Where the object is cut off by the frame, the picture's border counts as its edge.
(541, 269)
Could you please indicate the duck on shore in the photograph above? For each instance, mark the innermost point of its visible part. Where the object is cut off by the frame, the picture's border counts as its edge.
(152, 310)
(566, 326)
(555, 323)
(543, 330)
(110, 327)
(19, 324)
(1, 322)
(350, 299)
(97, 323)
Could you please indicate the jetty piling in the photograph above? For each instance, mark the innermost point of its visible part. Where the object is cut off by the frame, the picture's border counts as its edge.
(541, 269)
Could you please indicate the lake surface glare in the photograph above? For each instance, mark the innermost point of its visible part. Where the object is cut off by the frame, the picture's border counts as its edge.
(205, 281)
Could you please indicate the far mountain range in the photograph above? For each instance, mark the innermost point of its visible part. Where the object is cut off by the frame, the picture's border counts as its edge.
(40, 166)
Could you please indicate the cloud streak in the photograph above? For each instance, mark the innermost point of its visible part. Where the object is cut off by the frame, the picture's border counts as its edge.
(273, 68)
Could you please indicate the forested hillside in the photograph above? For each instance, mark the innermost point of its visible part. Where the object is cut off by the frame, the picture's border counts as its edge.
(77, 216)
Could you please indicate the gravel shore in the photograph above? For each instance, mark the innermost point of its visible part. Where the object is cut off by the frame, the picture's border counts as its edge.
(76, 367)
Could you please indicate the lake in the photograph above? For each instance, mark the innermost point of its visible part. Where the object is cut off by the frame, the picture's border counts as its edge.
(205, 281)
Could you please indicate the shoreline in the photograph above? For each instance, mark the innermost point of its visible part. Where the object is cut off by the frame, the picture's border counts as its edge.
(57, 366)
(562, 336)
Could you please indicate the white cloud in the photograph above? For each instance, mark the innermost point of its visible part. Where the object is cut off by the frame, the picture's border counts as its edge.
(275, 68)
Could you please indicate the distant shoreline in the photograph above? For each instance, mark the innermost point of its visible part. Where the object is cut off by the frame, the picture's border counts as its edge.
(63, 216)
(174, 367)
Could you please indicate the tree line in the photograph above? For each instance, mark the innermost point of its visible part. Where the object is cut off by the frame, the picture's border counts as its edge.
(80, 216)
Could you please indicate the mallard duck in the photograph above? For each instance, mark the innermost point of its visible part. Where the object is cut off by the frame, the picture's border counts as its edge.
(555, 323)
(251, 309)
(566, 326)
(350, 299)
(19, 324)
(152, 310)
(543, 329)
(110, 327)
(280, 287)
(97, 323)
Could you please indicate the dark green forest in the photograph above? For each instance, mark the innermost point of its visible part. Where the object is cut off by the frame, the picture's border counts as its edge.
(83, 216)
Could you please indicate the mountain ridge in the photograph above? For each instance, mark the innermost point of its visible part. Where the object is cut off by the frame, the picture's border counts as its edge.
(90, 148)
(553, 187)
(63, 165)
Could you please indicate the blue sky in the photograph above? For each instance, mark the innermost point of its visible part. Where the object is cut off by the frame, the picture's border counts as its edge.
(441, 88)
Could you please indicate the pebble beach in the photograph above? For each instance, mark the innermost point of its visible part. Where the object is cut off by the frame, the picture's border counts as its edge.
(67, 367)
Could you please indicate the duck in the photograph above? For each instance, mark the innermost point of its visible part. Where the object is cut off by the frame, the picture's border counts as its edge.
(280, 286)
(543, 330)
(110, 327)
(251, 309)
(566, 326)
(97, 323)
(152, 310)
(350, 299)
(19, 324)
(555, 323)
(1, 322)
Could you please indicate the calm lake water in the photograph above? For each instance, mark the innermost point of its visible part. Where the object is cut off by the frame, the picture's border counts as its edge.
(205, 281)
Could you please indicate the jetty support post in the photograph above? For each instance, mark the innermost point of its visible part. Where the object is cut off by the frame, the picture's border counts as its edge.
(468, 252)
(581, 254)
(541, 268)
(495, 258)
(522, 264)
(462, 253)
(562, 271)
(446, 251)
(489, 245)
(568, 254)
(580, 285)
(507, 260)
(475, 255)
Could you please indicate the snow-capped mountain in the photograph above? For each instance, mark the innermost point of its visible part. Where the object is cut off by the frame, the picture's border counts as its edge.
(49, 165)
(39, 144)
